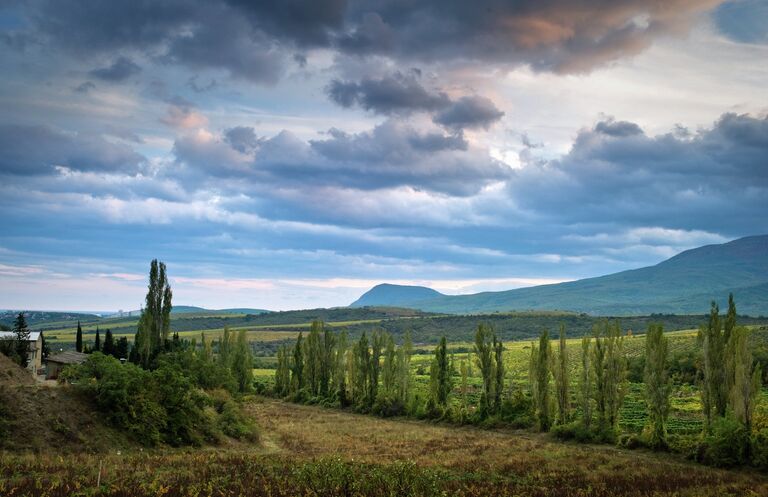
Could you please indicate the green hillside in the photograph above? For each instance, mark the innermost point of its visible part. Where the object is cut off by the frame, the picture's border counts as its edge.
(682, 284)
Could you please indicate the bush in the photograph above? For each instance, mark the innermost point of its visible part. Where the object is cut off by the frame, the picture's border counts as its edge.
(727, 445)
(517, 410)
(760, 449)
(387, 407)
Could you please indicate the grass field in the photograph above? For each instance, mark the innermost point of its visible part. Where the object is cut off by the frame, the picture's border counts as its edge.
(311, 451)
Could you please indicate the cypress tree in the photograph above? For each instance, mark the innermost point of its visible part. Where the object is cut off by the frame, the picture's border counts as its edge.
(79, 338)
(108, 348)
(560, 372)
(121, 349)
(97, 341)
(21, 339)
(657, 385)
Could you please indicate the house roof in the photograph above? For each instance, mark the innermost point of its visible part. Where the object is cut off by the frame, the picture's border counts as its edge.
(33, 335)
(68, 357)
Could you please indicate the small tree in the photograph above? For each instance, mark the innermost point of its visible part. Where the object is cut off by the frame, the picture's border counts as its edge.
(657, 385)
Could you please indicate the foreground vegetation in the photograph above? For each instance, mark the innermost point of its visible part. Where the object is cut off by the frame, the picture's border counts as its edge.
(312, 451)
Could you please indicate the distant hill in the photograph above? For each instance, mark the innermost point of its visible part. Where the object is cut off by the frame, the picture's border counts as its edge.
(188, 309)
(683, 284)
(395, 295)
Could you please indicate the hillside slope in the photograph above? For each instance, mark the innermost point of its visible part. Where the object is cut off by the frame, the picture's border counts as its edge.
(683, 284)
(41, 418)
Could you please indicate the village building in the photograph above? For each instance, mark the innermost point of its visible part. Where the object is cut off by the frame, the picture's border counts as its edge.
(57, 362)
(34, 351)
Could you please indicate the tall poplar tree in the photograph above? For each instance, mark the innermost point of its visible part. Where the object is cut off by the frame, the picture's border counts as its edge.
(440, 375)
(297, 373)
(713, 389)
(562, 387)
(586, 383)
(242, 363)
(541, 356)
(747, 378)
(498, 373)
(404, 354)
(483, 351)
(340, 371)
(155, 320)
(657, 385)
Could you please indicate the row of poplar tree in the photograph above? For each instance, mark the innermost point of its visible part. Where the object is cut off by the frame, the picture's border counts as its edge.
(372, 374)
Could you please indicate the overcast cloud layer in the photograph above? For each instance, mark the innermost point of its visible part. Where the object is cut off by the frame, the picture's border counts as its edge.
(292, 155)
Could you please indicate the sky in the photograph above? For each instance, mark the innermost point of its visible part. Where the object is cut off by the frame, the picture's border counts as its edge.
(288, 155)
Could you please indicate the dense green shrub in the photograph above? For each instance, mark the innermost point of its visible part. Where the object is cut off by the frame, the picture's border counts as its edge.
(160, 406)
(727, 445)
(760, 449)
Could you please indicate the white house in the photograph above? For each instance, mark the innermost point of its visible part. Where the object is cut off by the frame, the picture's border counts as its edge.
(35, 348)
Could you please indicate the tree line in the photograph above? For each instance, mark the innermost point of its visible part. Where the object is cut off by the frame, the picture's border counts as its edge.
(574, 398)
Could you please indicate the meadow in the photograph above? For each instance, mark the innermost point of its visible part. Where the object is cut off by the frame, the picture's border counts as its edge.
(312, 451)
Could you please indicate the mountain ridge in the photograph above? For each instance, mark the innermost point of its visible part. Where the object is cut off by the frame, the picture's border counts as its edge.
(682, 284)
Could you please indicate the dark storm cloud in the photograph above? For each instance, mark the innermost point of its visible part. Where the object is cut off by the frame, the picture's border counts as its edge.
(618, 128)
(119, 70)
(402, 94)
(713, 179)
(469, 112)
(308, 23)
(393, 154)
(395, 94)
(254, 40)
(550, 35)
(193, 33)
(36, 150)
(242, 138)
